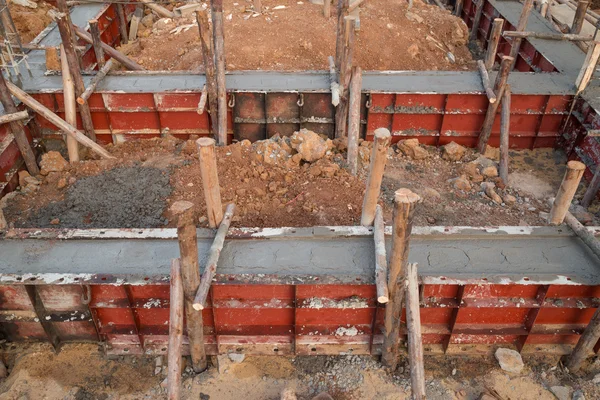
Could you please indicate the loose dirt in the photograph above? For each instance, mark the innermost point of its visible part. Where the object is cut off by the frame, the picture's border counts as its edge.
(30, 21)
(298, 37)
(272, 187)
(82, 372)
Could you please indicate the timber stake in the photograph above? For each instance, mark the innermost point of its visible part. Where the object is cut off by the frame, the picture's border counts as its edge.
(415, 341)
(208, 56)
(381, 269)
(521, 26)
(175, 332)
(492, 48)
(210, 181)
(568, 187)
(381, 143)
(485, 80)
(592, 190)
(585, 344)
(404, 207)
(504, 135)
(70, 106)
(354, 120)
(219, 50)
(578, 18)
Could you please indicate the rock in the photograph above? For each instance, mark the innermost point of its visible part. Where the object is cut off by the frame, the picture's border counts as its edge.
(431, 220)
(288, 394)
(22, 175)
(323, 396)
(582, 214)
(236, 357)
(341, 143)
(561, 392)
(52, 161)
(492, 153)
(412, 149)
(55, 221)
(431, 193)
(461, 183)
(364, 155)
(596, 379)
(509, 199)
(578, 395)
(484, 162)
(25, 3)
(509, 360)
(414, 17)
(3, 370)
(148, 21)
(453, 152)
(485, 396)
(309, 145)
(490, 172)
(488, 189)
(472, 171)
(413, 50)
(189, 147)
(62, 182)
(223, 363)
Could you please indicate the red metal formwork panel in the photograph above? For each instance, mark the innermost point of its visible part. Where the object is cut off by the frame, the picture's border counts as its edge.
(573, 291)
(318, 114)
(76, 331)
(14, 297)
(108, 296)
(135, 123)
(462, 125)
(528, 104)
(63, 297)
(177, 101)
(563, 316)
(591, 148)
(483, 339)
(375, 121)
(188, 122)
(8, 159)
(283, 113)
(436, 317)
(416, 103)
(440, 291)
(416, 124)
(491, 316)
(467, 104)
(249, 116)
(129, 102)
(22, 331)
(487, 291)
(114, 321)
(552, 339)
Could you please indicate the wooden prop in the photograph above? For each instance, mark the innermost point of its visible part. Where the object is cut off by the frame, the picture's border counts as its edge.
(381, 268)
(585, 345)
(354, 5)
(415, 341)
(210, 180)
(258, 6)
(568, 187)
(341, 114)
(158, 9)
(586, 237)
(458, 8)
(327, 8)
(578, 18)
(485, 80)
(16, 116)
(56, 120)
(492, 48)
(70, 107)
(521, 26)
(381, 143)
(97, 43)
(208, 56)
(122, 23)
(117, 55)
(134, 25)
(202, 101)
(16, 128)
(342, 8)
(504, 134)
(490, 116)
(590, 16)
(175, 332)
(219, 51)
(404, 206)
(210, 268)
(190, 272)
(549, 36)
(476, 20)
(592, 190)
(334, 85)
(354, 120)
(95, 81)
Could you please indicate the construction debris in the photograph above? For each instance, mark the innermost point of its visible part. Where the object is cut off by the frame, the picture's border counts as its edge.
(509, 360)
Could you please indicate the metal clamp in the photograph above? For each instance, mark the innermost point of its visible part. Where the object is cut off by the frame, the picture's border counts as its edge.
(231, 103)
(369, 102)
(86, 296)
(300, 101)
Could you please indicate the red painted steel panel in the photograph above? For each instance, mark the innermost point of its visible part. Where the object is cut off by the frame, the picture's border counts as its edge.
(245, 317)
(462, 125)
(128, 102)
(9, 158)
(252, 292)
(440, 291)
(527, 104)
(337, 292)
(114, 318)
(423, 103)
(76, 331)
(552, 339)
(184, 120)
(558, 104)
(149, 292)
(14, 297)
(375, 121)
(577, 291)
(487, 315)
(564, 316)
(416, 124)
(62, 297)
(142, 122)
(177, 101)
(108, 295)
(483, 339)
(467, 104)
(432, 316)
(22, 331)
(333, 316)
(493, 291)
(381, 102)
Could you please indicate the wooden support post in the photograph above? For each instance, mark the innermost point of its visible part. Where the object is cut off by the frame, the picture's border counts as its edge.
(208, 56)
(485, 80)
(381, 143)
(16, 128)
(117, 55)
(190, 272)
(545, 6)
(66, 34)
(202, 101)
(458, 8)
(158, 9)
(17, 116)
(210, 181)
(549, 36)
(586, 237)
(476, 20)
(499, 84)
(592, 190)
(568, 187)
(213, 258)
(327, 8)
(588, 67)
(404, 206)
(521, 26)
(354, 5)
(415, 341)
(219, 41)
(95, 81)
(341, 114)
(134, 25)
(504, 134)
(70, 106)
(342, 6)
(334, 85)
(122, 23)
(175, 332)
(585, 344)
(258, 6)
(578, 19)
(381, 269)
(97, 43)
(354, 120)
(492, 48)
(56, 120)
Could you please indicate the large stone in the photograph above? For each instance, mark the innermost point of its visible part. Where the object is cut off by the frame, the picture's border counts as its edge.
(472, 171)
(453, 152)
(490, 172)
(509, 360)
(412, 149)
(310, 145)
(52, 161)
(561, 392)
(148, 21)
(461, 183)
(236, 357)
(23, 175)
(509, 199)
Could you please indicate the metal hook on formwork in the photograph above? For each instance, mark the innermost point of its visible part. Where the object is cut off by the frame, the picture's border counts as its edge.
(86, 296)
(231, 102)
(369, 102)
(300, 101)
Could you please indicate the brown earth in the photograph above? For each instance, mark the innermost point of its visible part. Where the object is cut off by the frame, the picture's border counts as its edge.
(291, 193)
(30, 21)
(299, 37)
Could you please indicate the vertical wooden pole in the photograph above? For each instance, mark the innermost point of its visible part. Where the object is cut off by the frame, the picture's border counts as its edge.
(404, 206)
(476, 20)
(70, 106)
(521, 26)
(458, 8)
(219, 41)
(122, 23)
(97, 43)
(586, 343)
(568, 187)
(381, 268)
(341, 115)
(492, 48)
(327, 8)
(588, 67)
(415, 341)
(66, 34)
(342, 6)
(578, 19)
(592, 190)
(190, 272)
(499, 85)
(381, 143)
(16, 128)
(354, 120)
(210, 181)
(504, 134)
(208, 55)
(258, 6)
(175, 332)
(134, 25)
